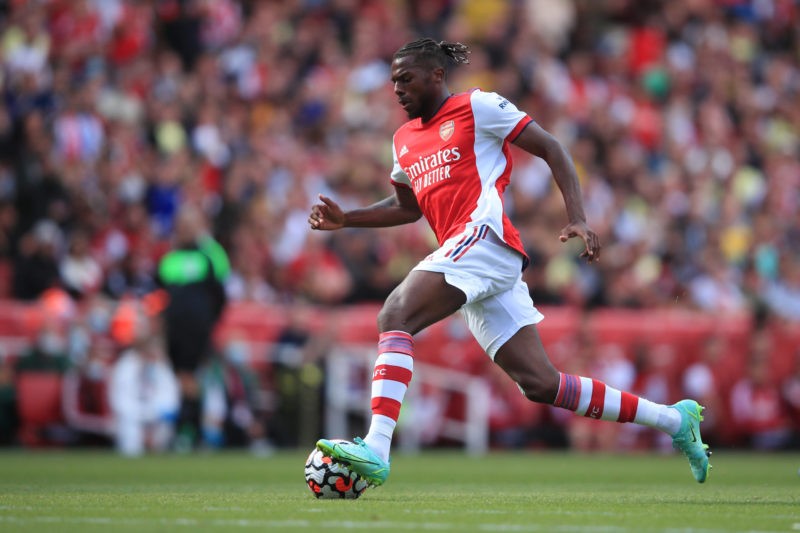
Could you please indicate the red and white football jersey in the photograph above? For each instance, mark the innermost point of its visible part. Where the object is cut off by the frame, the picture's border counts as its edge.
(458, 164)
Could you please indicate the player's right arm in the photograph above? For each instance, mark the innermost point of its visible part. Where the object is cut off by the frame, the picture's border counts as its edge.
(400, 208)
(535, 140)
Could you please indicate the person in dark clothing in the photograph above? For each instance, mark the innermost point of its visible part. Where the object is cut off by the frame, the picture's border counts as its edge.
(180, 28)
(299, 380)
(193, 275)
(9, 421)
(36, 268)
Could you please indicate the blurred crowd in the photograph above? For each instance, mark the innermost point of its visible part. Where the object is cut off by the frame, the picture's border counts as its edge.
(682, 119)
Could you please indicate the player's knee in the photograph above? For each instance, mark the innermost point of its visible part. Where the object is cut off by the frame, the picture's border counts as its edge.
(391, 317)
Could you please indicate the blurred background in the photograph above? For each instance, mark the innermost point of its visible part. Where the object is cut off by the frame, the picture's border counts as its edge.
(133, 127)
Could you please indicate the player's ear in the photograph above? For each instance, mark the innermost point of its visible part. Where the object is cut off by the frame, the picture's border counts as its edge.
(438, 74)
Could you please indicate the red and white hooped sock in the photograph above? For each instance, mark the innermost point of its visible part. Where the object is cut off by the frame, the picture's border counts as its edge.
(594, 399)
(393, 370)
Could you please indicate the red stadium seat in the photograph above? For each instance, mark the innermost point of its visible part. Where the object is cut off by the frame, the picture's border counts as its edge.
(38, 405)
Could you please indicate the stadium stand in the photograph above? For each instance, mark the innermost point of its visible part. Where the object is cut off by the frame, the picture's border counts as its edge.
(681, 117)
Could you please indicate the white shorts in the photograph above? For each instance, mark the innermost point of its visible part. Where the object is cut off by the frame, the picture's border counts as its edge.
(489, 273)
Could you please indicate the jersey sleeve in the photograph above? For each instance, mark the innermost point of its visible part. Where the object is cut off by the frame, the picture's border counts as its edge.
(497, 116)
(398, 176)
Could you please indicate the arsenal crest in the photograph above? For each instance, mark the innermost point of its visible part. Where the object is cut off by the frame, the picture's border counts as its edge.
(446, 130)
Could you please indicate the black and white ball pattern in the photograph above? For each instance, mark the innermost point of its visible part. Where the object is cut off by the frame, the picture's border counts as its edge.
(327, 478)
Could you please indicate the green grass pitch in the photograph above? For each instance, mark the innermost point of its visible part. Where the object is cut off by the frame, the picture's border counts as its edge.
(434, 491)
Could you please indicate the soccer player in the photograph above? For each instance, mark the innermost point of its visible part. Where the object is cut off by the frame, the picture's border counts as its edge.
(451, 165)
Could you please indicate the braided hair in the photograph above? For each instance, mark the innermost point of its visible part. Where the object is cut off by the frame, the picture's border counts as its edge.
(436, 53)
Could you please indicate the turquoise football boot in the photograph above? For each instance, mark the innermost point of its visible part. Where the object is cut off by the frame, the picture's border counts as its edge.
(358, 457)
(688, 440)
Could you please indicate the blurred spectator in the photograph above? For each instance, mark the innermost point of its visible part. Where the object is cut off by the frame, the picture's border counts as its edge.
(790, 392)
(131, 275)
(26, 42)
(128, 250)
(9, 238)
(365, 261)
(163, 195)
(298, 375)
(654, 369)
(85, 394)
(782, 295)
(81, 274)
(36, 268)
(144, 398)
(247, 282)
(319, 274)
(757, 410)
(701, 381)
(78, 133)
(49, 352)
(193, 275)
(231, 415)
(717, 288)
(97, 314)
(180, 25)
(76, 30)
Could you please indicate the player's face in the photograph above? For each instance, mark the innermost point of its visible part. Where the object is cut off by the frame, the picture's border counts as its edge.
(416, 86)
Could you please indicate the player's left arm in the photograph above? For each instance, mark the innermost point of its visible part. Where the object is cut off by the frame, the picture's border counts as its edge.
(399, 208)
(535, 140)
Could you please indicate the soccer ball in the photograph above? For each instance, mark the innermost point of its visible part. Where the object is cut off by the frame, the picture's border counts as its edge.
(328, 478)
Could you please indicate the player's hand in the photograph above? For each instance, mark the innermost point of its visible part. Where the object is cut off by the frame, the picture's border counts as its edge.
(590, 239)
(326, 215)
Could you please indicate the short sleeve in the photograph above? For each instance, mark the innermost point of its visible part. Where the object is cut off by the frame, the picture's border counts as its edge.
(497, 116)
(399, 176)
